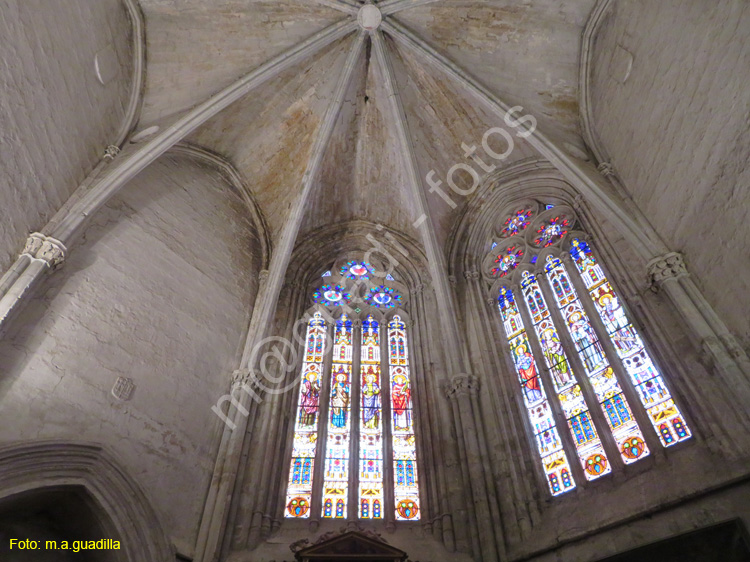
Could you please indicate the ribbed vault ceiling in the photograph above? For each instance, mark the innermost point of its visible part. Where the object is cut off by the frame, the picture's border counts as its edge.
(524, 51)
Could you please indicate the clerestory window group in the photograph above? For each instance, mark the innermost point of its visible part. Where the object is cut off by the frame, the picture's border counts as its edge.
(560, 311)
(354, 446)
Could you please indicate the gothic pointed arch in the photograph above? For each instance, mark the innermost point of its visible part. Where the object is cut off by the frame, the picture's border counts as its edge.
(60, 465)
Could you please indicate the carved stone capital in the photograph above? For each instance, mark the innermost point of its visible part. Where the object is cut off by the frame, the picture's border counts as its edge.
(606, 169)
(452, 280)
(471, 275)
(263, 275)
(491, 301)
(52, 251)
(45, 248)
(111, 152)
(34, 243)
(418, 289)
(668, 266)
(240, 377)
(356, 323)
(462, 384)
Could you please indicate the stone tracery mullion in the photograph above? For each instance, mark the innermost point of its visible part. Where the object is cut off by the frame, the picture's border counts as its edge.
(594, 407)
(567, 440)
(614, 360)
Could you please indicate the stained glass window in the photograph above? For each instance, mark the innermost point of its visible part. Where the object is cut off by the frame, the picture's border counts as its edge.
(383, 297)
(551, 231)
(332, 295)
(616, 409)
(663, 412)
(554, 459)
(358, 427)
(370, 424)
(507, 261)
(588, 445)
(517, 222)
(575, 359)
(406, 487)
(299, 489)
(336, 478)
(356, 270)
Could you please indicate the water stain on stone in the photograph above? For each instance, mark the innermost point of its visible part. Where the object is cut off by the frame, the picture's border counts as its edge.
(476, 28)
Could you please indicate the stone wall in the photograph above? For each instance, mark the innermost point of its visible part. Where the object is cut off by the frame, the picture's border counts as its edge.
(688, 515)
(56, 117)
(676, 129)
(159, 291)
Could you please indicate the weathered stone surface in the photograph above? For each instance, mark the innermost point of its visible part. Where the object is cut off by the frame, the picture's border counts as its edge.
(159, 292)
(678, 135)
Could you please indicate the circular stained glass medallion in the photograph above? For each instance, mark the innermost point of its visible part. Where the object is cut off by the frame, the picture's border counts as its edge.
(551, 231)
(331, 295)
(633, 448)
(407, 509)
(383, 297)
(356, 270)
(507, 261)
(298, 507)
(596, 464)
(516, 223)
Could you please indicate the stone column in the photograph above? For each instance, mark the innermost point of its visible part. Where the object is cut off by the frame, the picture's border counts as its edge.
(668, 272)
(40, 255)
(462, 392)
(513, 500)
(431, 413)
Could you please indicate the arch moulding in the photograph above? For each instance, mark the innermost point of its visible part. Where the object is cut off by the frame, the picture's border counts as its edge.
(54, 464)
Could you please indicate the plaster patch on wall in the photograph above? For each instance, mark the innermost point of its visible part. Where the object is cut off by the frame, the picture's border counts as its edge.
(621, 64)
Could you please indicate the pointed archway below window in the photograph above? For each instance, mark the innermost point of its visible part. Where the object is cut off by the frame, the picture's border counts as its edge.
(349, 546)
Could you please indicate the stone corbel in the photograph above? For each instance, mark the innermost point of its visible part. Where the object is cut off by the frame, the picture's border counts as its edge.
(666, 267)
(45, 248)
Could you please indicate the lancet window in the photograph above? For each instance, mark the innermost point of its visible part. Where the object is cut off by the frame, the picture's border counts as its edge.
(580, 362)
(354, 412)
